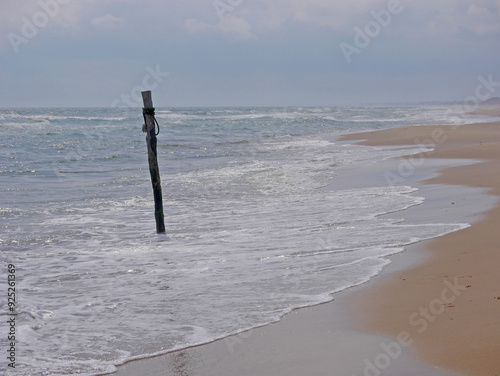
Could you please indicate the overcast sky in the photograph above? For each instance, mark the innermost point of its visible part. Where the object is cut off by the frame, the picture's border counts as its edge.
(245, 52)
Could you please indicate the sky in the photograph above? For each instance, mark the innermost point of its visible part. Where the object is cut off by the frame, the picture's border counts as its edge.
(86, 53)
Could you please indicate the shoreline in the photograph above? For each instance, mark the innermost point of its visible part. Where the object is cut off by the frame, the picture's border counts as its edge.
(296, 339)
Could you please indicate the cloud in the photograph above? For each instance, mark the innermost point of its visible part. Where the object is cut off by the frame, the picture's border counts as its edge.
(231, 25)
(107, 22)
(21, 22)
(425, 17)
(330, 14)
(194, 26)
(236, 26)
(452, 18)
(482, 20)
(46, 15)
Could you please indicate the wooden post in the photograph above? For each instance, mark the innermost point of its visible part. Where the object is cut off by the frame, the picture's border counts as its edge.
(150, 128)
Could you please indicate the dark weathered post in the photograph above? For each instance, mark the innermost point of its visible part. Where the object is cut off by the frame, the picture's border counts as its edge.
(150, 128)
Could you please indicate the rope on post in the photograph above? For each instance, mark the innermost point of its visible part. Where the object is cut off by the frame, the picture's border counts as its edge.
(151, 112)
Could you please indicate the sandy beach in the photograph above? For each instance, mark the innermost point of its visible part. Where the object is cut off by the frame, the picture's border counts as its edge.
(433, 311)
(452, 301)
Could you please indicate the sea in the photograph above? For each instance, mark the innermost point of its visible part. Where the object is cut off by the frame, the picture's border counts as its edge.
(255, 227)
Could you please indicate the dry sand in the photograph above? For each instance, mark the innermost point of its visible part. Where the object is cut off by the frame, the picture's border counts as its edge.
(450, 305)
